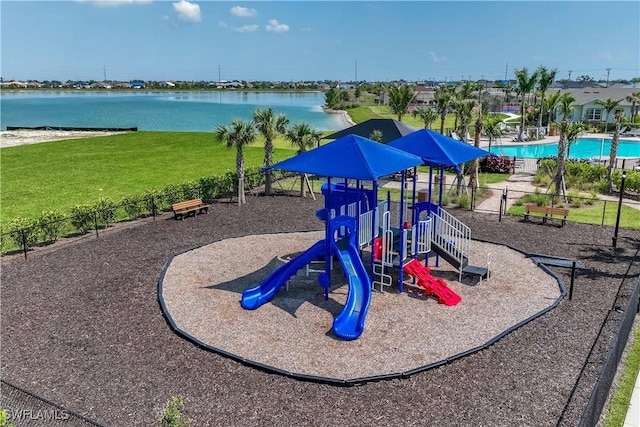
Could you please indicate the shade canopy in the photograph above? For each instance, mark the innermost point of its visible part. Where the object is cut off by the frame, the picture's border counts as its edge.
(351, 157)
(391, 129)
(437, 149)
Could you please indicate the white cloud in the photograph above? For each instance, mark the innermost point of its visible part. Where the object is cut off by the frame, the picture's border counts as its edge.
(275, 27)
(187, 11)
(246, 28)
(605, 55)
(107, 3)
(436, 58)
(223, 24)
(243, 12)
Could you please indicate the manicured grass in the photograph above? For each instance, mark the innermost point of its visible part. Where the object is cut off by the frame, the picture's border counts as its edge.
(62, 174)
(629, 217)
(620, 401)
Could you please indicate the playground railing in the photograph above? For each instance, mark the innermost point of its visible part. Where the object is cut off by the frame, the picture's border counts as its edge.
(421, 237)
(451, 235)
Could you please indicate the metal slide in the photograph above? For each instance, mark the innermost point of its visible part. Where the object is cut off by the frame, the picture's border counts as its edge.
(349, 324)
(255, 297)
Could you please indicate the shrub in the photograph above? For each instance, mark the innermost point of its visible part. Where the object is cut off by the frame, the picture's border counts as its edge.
(105, 210)
(574, 199)
(154, 201)
(496, 164)
(83, 218)
(171, 415)
(190, 190)
(23, 228)
(50, 225)
(464, 201)
(173, 193)
(132, 206)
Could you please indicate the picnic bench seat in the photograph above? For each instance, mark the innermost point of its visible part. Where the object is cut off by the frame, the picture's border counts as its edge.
(189, 207)
(546, 212)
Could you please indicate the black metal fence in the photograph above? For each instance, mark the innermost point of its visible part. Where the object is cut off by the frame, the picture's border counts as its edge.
(600, 391)
(99, 218)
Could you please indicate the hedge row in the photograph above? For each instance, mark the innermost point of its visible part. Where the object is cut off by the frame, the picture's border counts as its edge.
(51, 225)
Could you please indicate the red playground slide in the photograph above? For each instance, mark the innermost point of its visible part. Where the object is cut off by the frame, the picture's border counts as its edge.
(431, 285)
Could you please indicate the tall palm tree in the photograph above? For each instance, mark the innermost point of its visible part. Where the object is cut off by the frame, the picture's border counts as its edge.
(442, 100)
(269, 125)
(525, 84)
(427, 115)
(492, 129)
(609, 106)
(566, 107)
(551, 102)
(303, 136)
(545, 79)
(400, 97)
(473, 180)
(239, 134)
(465, 113)
(573, 132)
(634, 99)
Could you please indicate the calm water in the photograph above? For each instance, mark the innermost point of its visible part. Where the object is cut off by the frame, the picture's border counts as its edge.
(583, 148)
(161, 111)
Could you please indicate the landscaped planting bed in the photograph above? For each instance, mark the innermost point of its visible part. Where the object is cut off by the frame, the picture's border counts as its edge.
(82, 327)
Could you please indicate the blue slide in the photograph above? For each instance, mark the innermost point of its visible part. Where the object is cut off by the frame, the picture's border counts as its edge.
(349, 324)
(255, 297)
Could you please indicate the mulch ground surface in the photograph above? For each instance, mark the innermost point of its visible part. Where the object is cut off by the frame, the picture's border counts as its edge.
(82, 327)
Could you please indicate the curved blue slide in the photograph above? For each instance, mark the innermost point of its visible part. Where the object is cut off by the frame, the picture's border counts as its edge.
(255, 297)
(349, 324)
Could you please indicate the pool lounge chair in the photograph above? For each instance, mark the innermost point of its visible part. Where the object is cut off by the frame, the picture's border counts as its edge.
(631, 132)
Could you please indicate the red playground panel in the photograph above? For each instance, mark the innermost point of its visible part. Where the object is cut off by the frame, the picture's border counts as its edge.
(431, 285)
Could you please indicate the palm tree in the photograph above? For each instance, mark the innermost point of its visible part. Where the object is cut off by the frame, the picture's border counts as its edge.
(550, 106)
(442, 100)
(400, 98)
(609, 107)
(427, 115)
(573, 132)
(634, 99)
(525, 85)
(465, 112)
(545, 80)
(492, 129)
(239, 134)
(303, 136)
(566, 107)
(269, 125)
(473, 180)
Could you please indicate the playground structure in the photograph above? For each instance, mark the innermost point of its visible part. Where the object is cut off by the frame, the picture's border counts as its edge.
(355, 221)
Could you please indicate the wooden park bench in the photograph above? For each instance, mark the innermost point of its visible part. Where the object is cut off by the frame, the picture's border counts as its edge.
(189, 207)
(546, 212)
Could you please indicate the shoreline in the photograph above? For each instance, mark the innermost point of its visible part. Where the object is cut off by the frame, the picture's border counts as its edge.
(346, 118)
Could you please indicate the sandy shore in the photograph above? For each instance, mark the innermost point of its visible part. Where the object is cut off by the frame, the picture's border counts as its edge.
(12, 138)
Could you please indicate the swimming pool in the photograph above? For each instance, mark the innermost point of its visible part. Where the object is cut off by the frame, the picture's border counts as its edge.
(583, 148)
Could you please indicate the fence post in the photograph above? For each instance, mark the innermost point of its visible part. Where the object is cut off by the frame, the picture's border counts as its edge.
(473, 198)
(153, 207)
(24, 242)
(95, 222)
(573, 277)
(604, 211)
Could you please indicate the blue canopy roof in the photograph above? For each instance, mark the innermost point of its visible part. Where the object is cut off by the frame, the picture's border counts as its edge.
(437, 149)
(351, 157)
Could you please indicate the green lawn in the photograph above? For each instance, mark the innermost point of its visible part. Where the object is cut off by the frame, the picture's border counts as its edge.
(62, 174)
(629, 217)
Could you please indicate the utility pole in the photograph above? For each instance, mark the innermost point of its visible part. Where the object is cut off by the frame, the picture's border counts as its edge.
(219, 79)
(104, 70)
(356, 71)
(570, 71)
(506, 69)
(608, 71)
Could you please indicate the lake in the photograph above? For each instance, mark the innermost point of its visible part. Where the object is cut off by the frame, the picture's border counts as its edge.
(158, 111)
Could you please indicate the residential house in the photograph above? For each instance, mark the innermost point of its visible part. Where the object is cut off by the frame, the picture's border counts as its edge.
(588, 111)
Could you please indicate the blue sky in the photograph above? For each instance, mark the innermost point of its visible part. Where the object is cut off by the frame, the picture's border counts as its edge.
(316, 40)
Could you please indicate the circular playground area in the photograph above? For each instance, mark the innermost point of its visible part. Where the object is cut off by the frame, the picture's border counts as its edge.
(404, 333)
